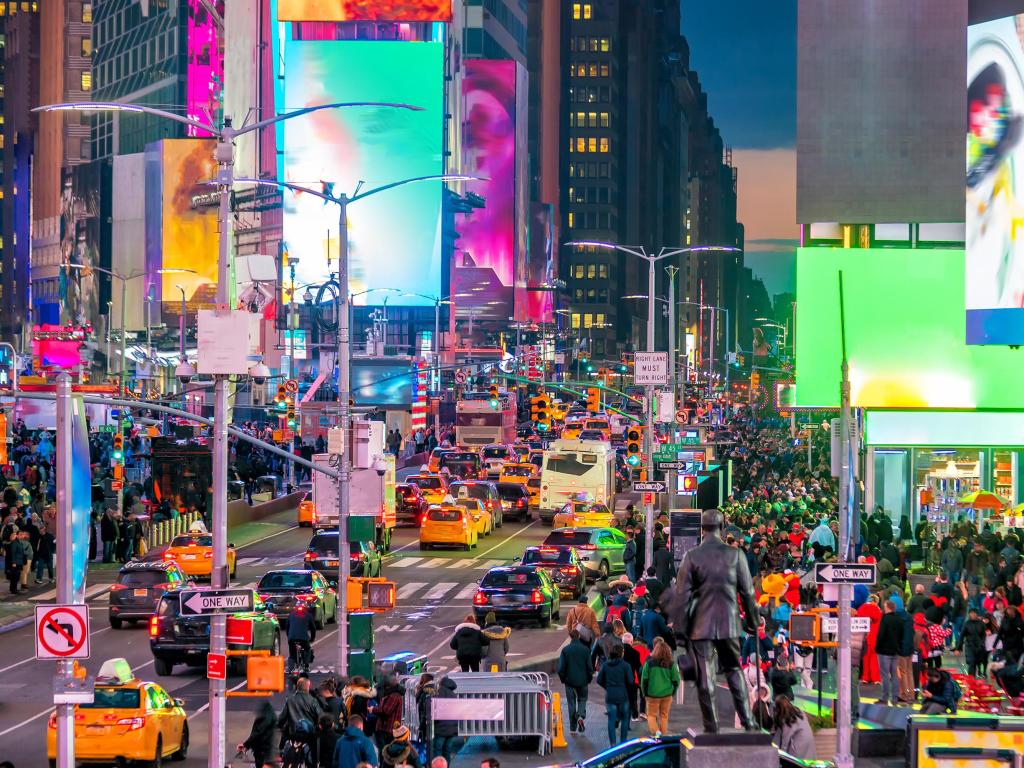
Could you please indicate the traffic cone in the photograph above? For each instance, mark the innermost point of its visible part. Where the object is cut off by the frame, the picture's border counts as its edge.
(558, 735)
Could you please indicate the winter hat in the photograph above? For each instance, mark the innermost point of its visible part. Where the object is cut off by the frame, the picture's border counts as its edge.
(400, 733)
(627, 639)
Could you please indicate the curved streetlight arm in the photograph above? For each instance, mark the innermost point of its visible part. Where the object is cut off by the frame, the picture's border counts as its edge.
(305, 111)
(284, 185)
(114, 106)
(433, 177)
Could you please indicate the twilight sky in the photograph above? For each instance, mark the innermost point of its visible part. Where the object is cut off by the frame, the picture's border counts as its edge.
(745, 53)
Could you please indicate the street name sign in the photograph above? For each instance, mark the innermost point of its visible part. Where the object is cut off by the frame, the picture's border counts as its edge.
(652, 486)
(197, 602)
(62, 632)
(844, 573)
(650, 368)
(858, 624)
(664, 466)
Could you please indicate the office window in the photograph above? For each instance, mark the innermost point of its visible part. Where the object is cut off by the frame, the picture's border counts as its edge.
(587, 11)
(605, 120)
(592, 119)
(604, 172)
(572, 220)
(599, 318)
(577, 295)
(605, 45)
(602, 296)
(577, 11)
(604, 70)
(592, 72)
(602, 271)
(572, 43)
(591, 295)
(588, 320)
(86, 80)
(581, 144)
(606, 93)
(86, 47)
(87, 13)
(591, 143)
(591, 271)
(575, 322)
(602, 195)
(578, 271)
(592, 168)
(604, 144)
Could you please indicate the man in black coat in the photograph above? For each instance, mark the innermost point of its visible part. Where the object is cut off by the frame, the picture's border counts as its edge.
(706, 617)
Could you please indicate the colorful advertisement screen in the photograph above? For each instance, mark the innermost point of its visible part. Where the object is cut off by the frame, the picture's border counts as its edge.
(543, 272)
(394, 237)
(904, 333)
(181, 223)
(484, 275)
(364, 10)
(995, 181)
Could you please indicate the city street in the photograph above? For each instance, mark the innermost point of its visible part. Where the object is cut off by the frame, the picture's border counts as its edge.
(435, 590)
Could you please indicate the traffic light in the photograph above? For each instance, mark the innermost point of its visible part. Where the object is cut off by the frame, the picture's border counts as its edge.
(539, 406)
(281, 398)
(755, 380)
(634, 445)
(289, 414)
(495, 400)
(593, 399)
(118, 452)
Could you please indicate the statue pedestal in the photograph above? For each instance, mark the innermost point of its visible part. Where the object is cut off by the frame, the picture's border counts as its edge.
(728, 749)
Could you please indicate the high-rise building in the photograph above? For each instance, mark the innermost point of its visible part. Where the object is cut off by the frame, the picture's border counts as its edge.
(62, 143)
(19, 33)
(495, 29)
(627, 98)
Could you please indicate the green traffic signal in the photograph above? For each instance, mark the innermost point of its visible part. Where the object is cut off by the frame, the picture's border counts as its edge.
(590, 368)
(494, 403)
(118, 456)
(543, 427)
(633, 460)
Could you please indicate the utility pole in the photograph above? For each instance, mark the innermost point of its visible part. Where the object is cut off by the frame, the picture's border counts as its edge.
(345, 461)
(649, 432)
(65, 560)
(847, 507)
(672, 333)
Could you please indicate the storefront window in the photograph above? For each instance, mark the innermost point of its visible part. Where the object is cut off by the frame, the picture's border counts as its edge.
(891, 483)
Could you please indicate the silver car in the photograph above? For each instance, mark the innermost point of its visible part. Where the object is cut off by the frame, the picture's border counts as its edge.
(600, 549)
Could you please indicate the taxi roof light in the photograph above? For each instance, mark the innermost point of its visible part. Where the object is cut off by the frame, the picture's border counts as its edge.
(116, 669)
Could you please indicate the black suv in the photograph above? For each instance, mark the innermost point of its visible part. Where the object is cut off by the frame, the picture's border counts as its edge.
(515, 500)
(483, 491)
(176, 639)
(139, 587)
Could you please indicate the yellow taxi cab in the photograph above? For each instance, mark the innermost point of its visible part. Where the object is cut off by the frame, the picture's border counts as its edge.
(307, 512)
(533, 486)
(522, 451)
(517, 473)
(448, 525)
(571, 430)
(599, 423)
(433, 487)
(584, 514)
(434, 461)
(128, 720)
(193, 552)
(482, 517)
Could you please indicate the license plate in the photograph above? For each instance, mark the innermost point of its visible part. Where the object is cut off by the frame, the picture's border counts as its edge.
(188, 557)
(503, 600)
(332, 563)
(140, 592)
(95, 730)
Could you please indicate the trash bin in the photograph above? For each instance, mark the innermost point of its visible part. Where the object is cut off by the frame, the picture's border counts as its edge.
(360, 629)
(236, 489)
(360, 662)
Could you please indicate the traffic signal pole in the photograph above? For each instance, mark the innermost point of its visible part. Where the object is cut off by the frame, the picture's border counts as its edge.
(649, 436)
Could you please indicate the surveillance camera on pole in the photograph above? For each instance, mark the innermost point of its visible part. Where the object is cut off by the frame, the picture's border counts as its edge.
(185, 371)
(259, 373)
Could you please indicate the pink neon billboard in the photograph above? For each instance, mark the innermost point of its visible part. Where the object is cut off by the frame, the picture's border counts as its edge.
(204, 80)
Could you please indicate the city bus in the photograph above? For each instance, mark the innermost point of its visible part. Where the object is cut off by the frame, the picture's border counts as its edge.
(478, 422)
(576, 470)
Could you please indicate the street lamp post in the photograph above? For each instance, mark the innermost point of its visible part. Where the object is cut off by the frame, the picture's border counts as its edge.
(652, 261)
(436, 374)
(224, 154)
(344, 373)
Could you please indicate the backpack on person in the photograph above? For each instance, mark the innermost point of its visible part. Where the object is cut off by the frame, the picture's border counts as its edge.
(613, 612)
(957, 694)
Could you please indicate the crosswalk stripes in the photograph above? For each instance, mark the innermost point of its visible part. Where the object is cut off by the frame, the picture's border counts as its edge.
(435, 562)
(406, 590)
(462, 563)
(405, 562)
(439, 590)
(467, 591)
(486, 565)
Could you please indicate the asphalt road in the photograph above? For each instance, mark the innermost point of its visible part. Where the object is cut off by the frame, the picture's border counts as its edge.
(435, 591)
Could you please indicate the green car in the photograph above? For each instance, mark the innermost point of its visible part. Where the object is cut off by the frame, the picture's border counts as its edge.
(176, 639)
(283, 590)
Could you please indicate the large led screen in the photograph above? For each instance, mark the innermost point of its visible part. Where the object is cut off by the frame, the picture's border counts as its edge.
(181, 223)
(395, 236)
(364, 10)
(995, 159)
(492, 247)
(904, 333)
(543, 267)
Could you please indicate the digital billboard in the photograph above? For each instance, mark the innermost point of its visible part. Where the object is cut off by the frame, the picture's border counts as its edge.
(543, 272)
(904, 333)
(364, 10)
(491, 243)
(395, 236)
(995, 182)
(181, 223)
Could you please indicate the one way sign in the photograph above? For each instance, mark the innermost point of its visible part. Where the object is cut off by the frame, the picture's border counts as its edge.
(199, 601)
(844, 573)
(653, 486)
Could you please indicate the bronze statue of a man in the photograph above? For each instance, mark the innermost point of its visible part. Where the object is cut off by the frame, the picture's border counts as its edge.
(707, 617)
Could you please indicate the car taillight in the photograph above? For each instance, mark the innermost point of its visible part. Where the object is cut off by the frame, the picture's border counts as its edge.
(310, 554)
(358, 556)
(52, 723)
(208, 555)
(480, 598)
(115, 587)
(154, 626)
(168, 555)
(586, 546)
(536, 597)
(309, 598)
(570, 570)
(520, 503)
(133, 723)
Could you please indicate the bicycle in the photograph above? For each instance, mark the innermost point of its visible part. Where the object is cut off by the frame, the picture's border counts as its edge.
(303, 658)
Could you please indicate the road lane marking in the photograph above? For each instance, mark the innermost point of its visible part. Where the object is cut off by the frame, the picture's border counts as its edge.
(392, 552)
(406, 590)
(33, 658)
(435, 562)
(440, 590)
(488, 564)
(462, 563)
(467, 591)
(405, 562)
(206, 706)
(29, 720)
(506, 541)
(293, 528)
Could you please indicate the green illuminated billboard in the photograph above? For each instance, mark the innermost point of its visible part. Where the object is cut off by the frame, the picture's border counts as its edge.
(904, 333)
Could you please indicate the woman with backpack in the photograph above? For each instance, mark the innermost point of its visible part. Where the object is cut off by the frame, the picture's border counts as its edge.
(360, 699)
(469, 644)
(658, 682)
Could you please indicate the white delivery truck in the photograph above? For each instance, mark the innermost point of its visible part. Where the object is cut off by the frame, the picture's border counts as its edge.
(576, 469)
(370, 493)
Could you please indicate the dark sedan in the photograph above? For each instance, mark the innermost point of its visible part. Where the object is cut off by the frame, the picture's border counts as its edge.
(518, 593)
(563, 565)
(515, 500)
(139, 586)
(282, 590)
(410, 506)
(322, 555)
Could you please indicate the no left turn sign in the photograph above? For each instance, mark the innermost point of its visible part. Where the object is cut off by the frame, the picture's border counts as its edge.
(460, 377)
(62, 632)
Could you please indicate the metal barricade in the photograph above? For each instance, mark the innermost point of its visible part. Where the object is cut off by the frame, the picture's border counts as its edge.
(526, 710)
